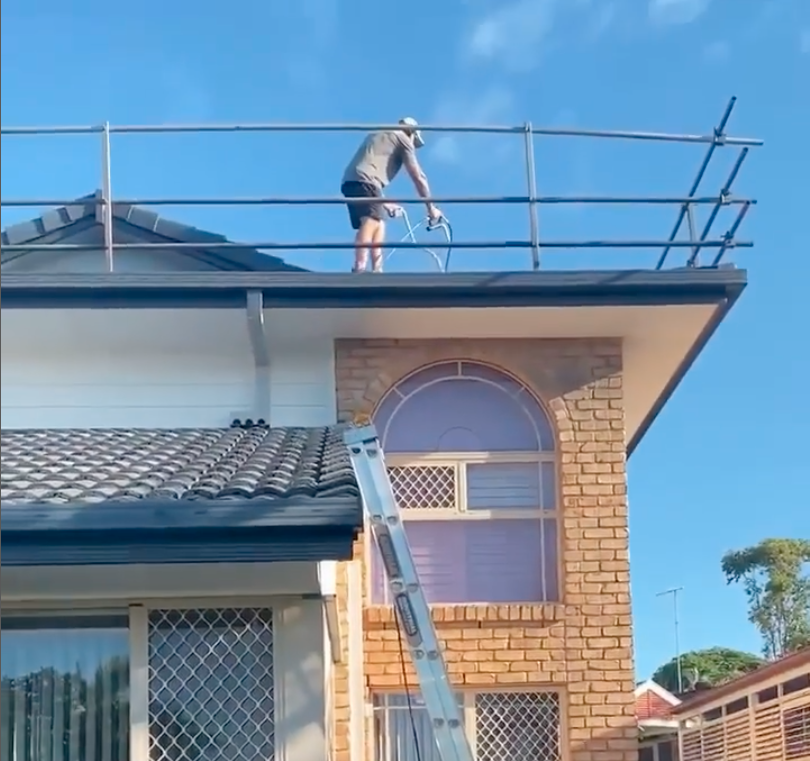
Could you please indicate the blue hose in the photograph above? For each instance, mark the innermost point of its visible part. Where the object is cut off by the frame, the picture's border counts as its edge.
(442, 224)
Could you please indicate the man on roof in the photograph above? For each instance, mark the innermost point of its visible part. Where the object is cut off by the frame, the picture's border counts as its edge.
(377, 161)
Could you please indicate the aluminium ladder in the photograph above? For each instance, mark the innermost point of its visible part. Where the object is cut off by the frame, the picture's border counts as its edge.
(409, 600)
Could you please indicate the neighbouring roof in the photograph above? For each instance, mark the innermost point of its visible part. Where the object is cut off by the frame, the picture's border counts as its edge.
(747, 682)
(654, 703)
(98, 495)
(58, 224)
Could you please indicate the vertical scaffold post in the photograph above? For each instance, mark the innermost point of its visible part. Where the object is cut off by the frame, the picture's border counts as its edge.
(106, 198)
(719, 139)
(690, 221)
(531, 182)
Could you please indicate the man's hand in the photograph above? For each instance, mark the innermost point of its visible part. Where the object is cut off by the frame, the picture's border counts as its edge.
(393, 210)
(435, 214)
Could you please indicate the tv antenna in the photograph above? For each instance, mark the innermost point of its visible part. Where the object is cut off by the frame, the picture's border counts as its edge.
(674, 593)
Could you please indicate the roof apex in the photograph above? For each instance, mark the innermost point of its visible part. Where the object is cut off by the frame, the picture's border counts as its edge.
(56, 222)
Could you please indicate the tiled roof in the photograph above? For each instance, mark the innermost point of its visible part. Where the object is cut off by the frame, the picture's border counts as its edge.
(126, 465)
(57, 224)
(649, 705)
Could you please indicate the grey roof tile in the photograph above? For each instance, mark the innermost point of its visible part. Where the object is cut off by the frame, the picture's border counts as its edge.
(55, 220)
(124, 465)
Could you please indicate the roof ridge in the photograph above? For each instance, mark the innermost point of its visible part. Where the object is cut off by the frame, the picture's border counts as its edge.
(60, 218)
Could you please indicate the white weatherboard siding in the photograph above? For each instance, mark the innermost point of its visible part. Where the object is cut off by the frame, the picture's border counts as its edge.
(153, 369)
(302, 383)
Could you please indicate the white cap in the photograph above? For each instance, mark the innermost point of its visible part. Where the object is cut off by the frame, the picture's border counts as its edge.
(409, 121)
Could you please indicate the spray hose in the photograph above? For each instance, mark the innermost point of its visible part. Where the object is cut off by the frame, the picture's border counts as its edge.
(440, 225)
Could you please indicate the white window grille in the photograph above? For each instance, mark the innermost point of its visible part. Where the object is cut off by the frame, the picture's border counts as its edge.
(474, 486)
(211, 685)
(501, 726)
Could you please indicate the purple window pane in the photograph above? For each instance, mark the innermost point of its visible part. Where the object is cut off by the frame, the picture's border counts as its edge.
(539, 418)
(438, 552)
(429, 412)
(428, 375)
(503, 486)
(386, 410)
(551, 566)
(492, 561)
(491, 375)
(548, 480)
(460, 416)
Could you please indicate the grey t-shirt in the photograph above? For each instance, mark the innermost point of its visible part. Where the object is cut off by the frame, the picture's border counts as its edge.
(379, 158)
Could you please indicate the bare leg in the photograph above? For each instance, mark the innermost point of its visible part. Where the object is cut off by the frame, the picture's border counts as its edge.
(364, 238)
(377, 252)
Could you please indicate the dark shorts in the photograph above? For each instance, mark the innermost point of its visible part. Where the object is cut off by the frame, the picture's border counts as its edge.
(360, 210)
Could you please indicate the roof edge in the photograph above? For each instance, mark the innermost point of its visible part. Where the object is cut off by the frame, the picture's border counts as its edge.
(47, 521)
(291, 545)
(652, 686)
(394, 290)
(55, 220)
(766, 672)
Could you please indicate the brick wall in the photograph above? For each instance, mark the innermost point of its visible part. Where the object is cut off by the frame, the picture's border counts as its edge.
(583, 645)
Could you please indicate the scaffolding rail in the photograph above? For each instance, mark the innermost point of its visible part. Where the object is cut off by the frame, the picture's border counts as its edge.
(718, 244)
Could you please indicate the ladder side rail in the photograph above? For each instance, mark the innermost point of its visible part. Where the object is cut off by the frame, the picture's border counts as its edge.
(412, 609)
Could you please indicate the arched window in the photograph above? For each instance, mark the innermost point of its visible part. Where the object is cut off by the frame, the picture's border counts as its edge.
(470, 453)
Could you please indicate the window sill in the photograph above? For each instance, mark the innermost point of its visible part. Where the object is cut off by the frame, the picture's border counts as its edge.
(472, 615)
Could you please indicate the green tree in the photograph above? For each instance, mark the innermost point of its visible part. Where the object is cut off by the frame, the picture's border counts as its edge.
(713, 666)
(774, 576)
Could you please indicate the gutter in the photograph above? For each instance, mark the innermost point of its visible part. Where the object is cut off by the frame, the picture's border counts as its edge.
(228, 290)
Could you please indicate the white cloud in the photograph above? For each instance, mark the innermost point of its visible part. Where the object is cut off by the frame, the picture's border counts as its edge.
(512, 32)
(804, 41)
(717, 52)
(492, 107)
(666, 12)
(516, 34)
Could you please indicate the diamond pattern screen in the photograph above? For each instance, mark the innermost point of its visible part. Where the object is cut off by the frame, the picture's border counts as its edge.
(430, 487)
(518, 726)
(211, 685)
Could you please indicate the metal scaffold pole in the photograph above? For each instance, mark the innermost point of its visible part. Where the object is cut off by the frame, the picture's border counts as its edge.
(106, 199)
(687, 204)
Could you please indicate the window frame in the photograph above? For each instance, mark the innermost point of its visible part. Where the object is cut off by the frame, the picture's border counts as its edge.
(654, 745)
(137, 612)
(459, 461)
(466, 699)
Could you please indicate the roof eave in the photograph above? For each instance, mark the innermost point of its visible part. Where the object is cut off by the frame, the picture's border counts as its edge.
(309, 290)
(724, 306)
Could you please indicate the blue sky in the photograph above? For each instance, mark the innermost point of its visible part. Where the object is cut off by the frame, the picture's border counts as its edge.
(721, 467)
